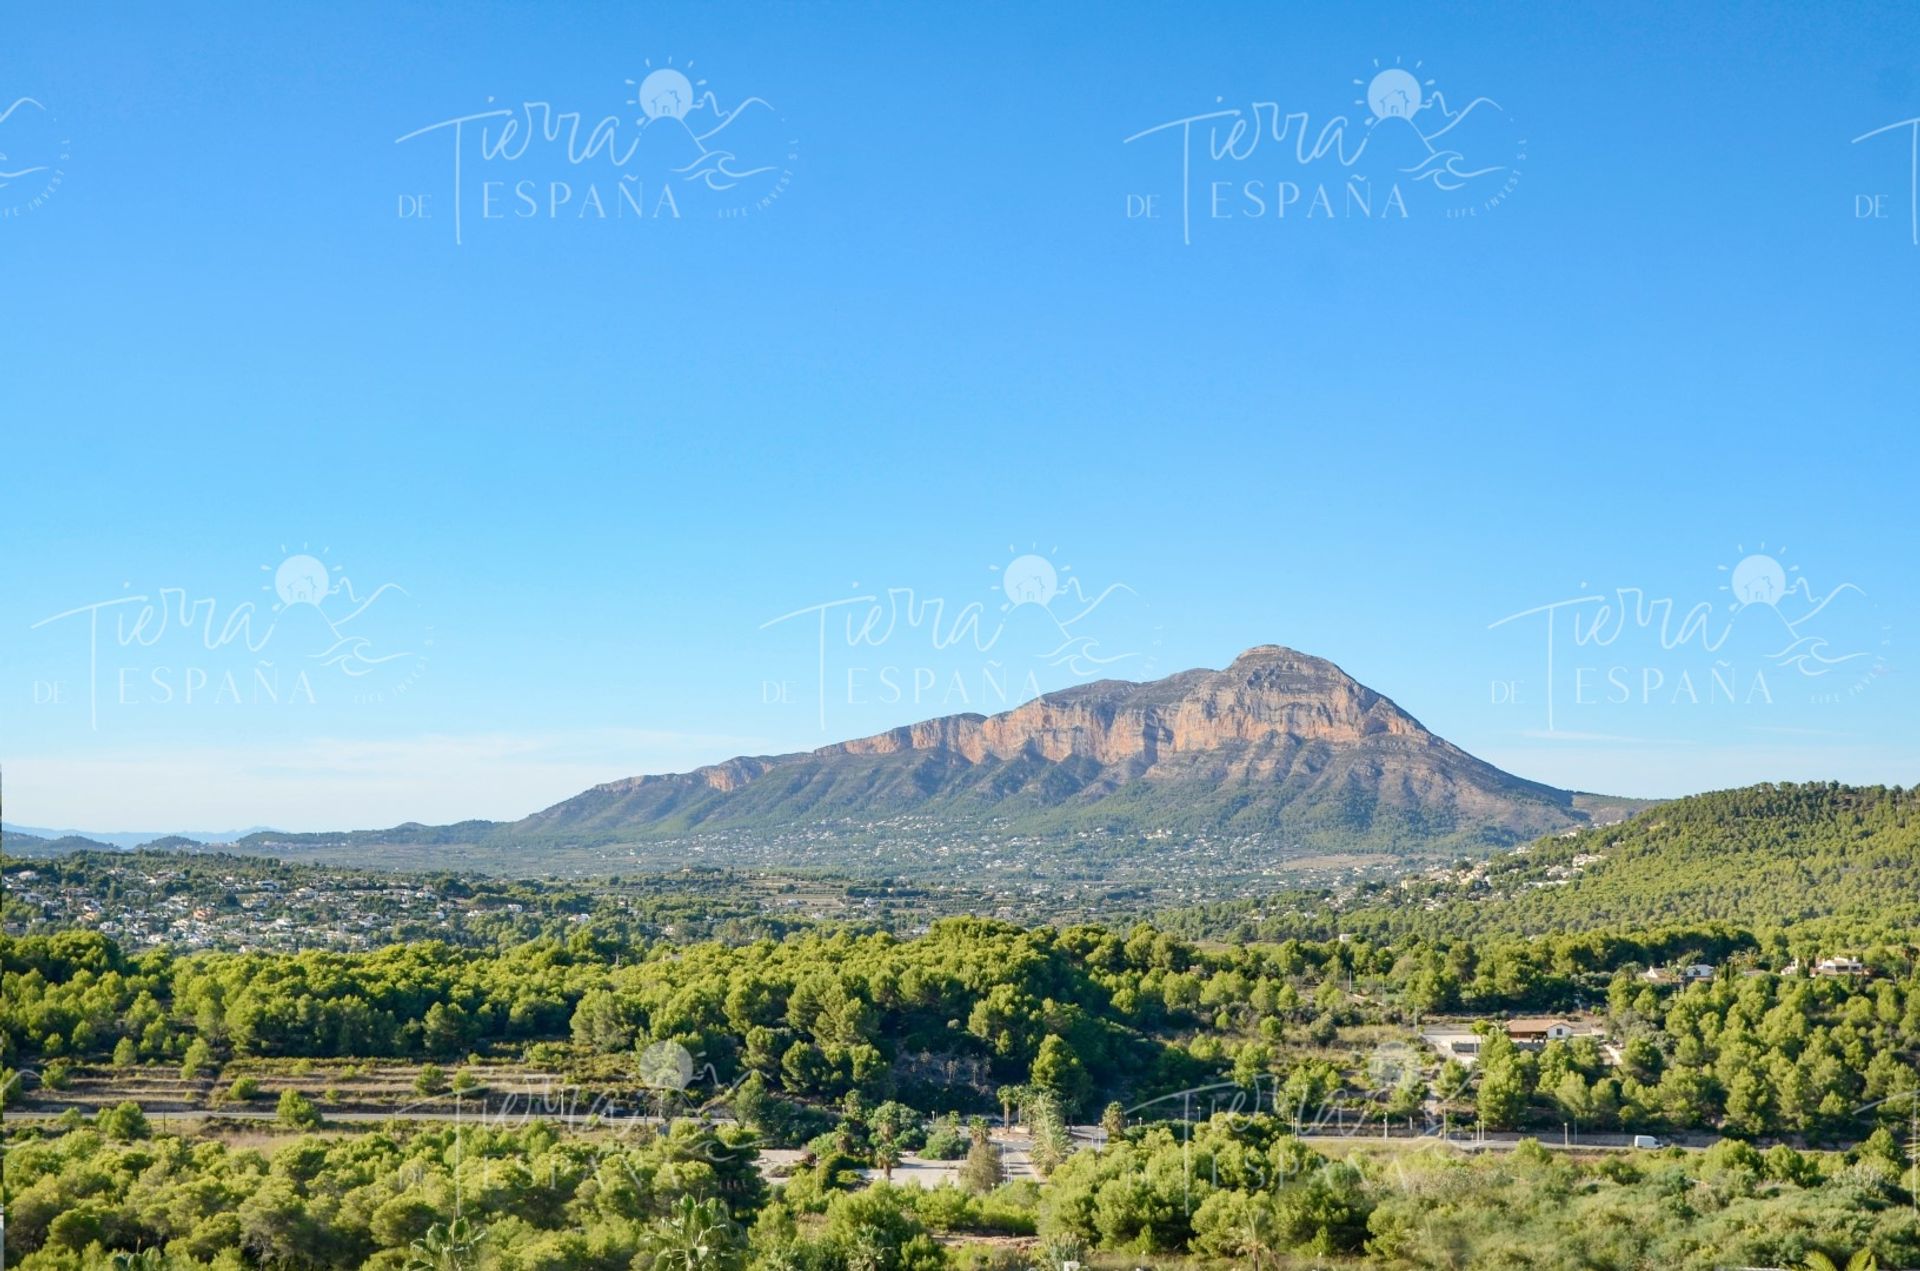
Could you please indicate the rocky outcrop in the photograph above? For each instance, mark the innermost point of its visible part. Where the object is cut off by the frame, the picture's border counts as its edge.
(1269, 692)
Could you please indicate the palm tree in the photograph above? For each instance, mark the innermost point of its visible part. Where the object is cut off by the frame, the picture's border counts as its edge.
(1256, 1235)
(450, 1246)
(869, 1251)
(1056, 1251)
(1051, 1143)
(1012, 1097)
(696, 1236)
(885, 1157)
(1861, 1261)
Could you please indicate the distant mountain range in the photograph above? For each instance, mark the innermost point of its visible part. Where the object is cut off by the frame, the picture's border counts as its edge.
(129, 838)
(1281, 749)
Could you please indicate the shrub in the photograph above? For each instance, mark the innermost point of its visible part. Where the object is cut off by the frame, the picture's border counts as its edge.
(946, 1141)
(431, 1080)
(195, 1061)
(298, 1111)
(123, 1122)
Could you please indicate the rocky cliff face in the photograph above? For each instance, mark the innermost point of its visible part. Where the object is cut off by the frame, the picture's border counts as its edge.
(1279, 743)
(1268, 692)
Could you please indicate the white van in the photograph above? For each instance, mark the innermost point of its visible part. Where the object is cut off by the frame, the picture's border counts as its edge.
(1647, 1141)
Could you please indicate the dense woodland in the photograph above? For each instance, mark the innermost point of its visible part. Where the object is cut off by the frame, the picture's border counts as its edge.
(857, 1045)
(1094, 1015)
(1237, 1189)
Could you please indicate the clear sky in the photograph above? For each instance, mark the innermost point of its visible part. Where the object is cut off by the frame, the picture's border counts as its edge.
(1467, 311)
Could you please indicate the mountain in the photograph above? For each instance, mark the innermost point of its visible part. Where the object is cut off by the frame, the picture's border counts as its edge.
(1203, 781)
(1279, 745)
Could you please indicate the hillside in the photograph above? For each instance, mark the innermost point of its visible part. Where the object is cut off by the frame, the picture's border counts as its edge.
(1770, 856)
(20, 844)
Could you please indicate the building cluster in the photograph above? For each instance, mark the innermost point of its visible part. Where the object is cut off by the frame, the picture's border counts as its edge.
(143, 906)
(1463, 1042)
(1027, 876)
(1839, 967)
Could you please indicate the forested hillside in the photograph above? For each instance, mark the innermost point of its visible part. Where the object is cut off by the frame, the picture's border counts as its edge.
(859, 1048)
(1090, 1016)
(1768, 855)
(1738, 971)
(1825, 863)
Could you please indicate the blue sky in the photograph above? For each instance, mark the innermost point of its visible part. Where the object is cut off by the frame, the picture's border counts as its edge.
(901, 324)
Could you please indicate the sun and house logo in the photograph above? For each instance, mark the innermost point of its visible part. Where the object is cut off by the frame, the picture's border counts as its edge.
(1831, 636)
(1398, 97)
(347, 634)
(699, 127)
(1038, 583)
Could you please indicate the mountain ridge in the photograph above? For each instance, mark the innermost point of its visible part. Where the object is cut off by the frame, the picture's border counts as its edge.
(1277, 741)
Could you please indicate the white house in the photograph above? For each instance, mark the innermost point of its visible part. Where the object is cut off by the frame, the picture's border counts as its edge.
(1533, 1031)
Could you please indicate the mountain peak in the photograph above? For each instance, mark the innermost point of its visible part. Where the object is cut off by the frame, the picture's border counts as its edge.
(1280, 743)
(1271, 653)
(1279, 655)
